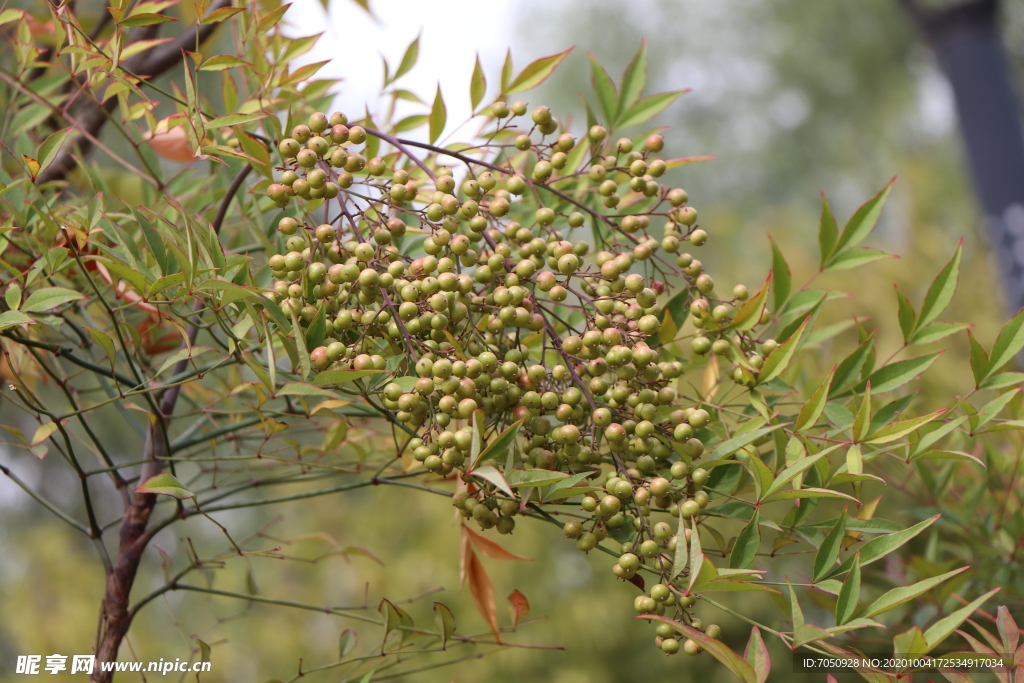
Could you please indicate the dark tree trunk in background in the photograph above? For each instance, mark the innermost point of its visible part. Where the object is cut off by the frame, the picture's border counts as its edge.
(966, 41)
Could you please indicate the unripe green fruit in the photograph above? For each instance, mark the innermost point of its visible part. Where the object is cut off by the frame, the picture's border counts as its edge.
(586, 542)
(624, 145)
(573, 529)
(610, 505)
(500, 110)
(289, 147)
(698, 237)
(505, 524)
(541, 115)
(306, 158)
(700, 345)
(699, 476)
(644, 604)
(720, 347)
(523, 143)
(693, 448)
(713, 631)
(357, 135)
(768, 346)
(689, 509)
(660, 486)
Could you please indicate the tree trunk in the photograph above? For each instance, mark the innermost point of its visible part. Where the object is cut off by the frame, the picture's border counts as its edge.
(966, 41)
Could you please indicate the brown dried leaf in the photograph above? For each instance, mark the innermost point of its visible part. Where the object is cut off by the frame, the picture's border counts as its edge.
(492, 549)
(520, 607)
(171, 143)
(482, 590)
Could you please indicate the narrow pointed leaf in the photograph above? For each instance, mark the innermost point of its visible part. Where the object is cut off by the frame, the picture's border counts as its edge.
(881, 546)
(634, 79)
(898, 430)
(412, 53)
(537, 72)
(778, 360)
(749, 313)
(648, 108)
(477, 85)
(941, 291)
(815, 405)
(747, 544)
(756, 655)
(783, 277)
(828, 231)
(863, 220)
(906, 315)
(895, 375)
(828, 551)
(500, 445)
(846, 605)
(898, 596)
(1009, 342)
(682, 551)
(604, 88)
(862, 420)
(438, 117)
(942, 629)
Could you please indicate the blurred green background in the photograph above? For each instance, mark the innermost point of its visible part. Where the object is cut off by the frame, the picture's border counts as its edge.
(793, 97)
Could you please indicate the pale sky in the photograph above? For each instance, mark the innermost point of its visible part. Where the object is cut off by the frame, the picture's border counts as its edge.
(453, 32)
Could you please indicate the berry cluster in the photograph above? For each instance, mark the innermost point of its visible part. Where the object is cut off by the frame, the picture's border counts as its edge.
(497, 323)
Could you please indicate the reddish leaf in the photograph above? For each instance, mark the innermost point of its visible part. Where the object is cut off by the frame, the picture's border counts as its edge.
(756, 655)
(492, 549)
(637, 581)
(171, 143)
(520, 606)
(482, 590)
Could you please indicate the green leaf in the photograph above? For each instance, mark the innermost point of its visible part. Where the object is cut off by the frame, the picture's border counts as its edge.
(881, 546)
(906, 315)
(500, 445)
(222, 62)
(801, 465)
(12, 318)
(849, 368)
(648, 108)
(815, 405)
(519, 477)
(941, 629)
(438, 116)
(898, 596)
(392, 618)
(445, 623)
(604, 88)
(537, 72)
(750, 312)
(506, 71)
(979, 359)
(854, 460)
(491, 474)
(846, 605)
(329, 377)
(1009, 342)
(727, 448)
(933, 332)
(863, 220)
(897, 430)
(412, 53)
(828, 231)
(810, 492)
(856, 257)
(634, 79)
(828, 551)
(696, 553)
(317, 330)
(165, 484)
(802, 633)
(756, 655)
(145, 19)
(783, 276)
(747, 544)
(235, 120)
(763, 476)
(779, 359)
(895, 375)
(302, 389)
(51, 146)
(347, 642)
(477, 85)
(862, 419)
(48, 298)
(941, 291)
(682, 552)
